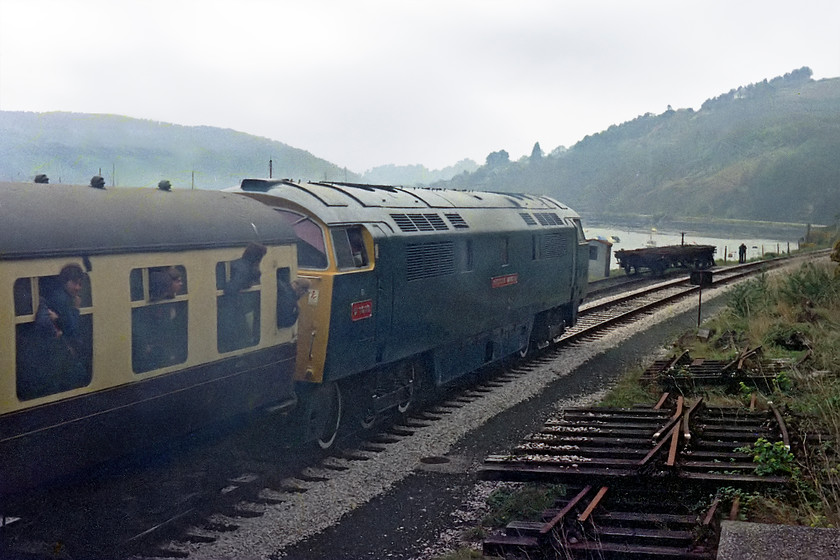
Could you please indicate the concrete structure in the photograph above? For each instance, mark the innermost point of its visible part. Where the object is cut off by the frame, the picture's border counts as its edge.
(600, 254)
(759, 541)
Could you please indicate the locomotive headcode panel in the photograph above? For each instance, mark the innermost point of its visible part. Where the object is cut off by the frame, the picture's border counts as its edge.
(415, 287)
(116, 330)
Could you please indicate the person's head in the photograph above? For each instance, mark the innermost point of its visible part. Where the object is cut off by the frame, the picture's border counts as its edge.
(300, 286)
(176, 281)
(165, 284)
(254, 252)
(70, 277)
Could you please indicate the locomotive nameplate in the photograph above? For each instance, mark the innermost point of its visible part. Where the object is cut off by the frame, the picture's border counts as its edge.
(502, 281)
(361, 310)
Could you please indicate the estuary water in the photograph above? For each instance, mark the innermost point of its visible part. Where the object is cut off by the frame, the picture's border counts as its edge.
(623, 237)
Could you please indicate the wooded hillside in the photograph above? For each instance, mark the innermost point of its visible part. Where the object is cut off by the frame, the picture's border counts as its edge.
(767, 151)
(72, 147)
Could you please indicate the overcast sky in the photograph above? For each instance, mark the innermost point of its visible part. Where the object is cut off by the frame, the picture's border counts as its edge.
(363, 83)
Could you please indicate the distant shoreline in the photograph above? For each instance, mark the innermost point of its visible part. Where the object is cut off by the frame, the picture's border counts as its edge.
(716, 226)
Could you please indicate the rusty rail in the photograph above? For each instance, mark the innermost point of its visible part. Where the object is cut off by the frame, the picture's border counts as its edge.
(623, 453)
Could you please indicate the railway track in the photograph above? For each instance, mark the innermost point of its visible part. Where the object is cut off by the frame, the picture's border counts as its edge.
(201, 494)
(633, 476)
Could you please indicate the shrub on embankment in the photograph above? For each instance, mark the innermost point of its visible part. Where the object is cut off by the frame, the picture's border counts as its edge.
(794, 316)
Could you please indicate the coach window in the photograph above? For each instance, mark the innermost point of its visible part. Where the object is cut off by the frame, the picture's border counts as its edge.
(47, 361)
(349, 248)
(159, 317)
(312, 251)
(237, 312)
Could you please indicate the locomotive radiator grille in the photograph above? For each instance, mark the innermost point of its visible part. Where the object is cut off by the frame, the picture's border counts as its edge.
(428, 260)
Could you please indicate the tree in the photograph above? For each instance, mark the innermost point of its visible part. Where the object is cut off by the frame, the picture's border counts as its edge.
(536, 153)
(498, 159)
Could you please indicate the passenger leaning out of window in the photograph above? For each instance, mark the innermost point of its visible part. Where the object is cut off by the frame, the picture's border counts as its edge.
(245, 271)
(58, 313)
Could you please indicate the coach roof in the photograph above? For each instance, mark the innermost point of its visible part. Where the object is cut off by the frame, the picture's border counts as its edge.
(42, 220)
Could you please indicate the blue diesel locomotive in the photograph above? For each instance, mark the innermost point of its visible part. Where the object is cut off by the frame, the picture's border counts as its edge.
(412, 288)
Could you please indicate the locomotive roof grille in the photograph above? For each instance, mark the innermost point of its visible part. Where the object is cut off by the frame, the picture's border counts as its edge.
(404, 222)
(419, 222)
(548, 218)
(529, 219)
(457, 221)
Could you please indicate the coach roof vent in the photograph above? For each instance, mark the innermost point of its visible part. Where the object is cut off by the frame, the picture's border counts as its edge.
(258, 185)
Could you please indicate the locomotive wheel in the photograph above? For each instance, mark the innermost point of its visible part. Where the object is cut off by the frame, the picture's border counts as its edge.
(367, 419)
(323, 414)
(412, 381)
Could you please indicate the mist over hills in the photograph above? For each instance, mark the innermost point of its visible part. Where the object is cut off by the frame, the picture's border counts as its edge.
(766, 151)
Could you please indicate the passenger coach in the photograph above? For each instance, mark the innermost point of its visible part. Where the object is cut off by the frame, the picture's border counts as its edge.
(124, 385)
(412, 288)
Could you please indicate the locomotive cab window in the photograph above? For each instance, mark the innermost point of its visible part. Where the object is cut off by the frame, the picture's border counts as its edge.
(159, 317)
(53, 333)
(311, 248)
(581, 238)
(237, 308)
(349, 245)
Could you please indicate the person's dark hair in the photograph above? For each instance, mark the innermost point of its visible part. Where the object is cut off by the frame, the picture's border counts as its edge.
(174, 273)
(70, 272)
(254, 252)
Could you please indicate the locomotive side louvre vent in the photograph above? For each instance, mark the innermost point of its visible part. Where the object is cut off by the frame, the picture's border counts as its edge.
(554, 245)
(457, 221)
(529, 219)
(429, 260)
